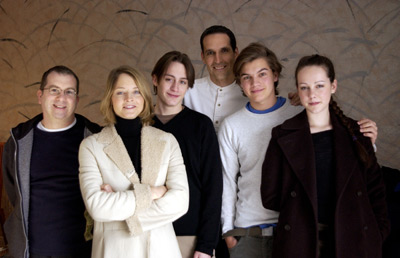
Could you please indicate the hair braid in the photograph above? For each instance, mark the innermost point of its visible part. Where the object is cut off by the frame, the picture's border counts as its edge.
(327, 65)
(345, 121)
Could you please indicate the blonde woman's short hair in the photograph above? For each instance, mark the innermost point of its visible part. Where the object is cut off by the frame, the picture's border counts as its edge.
(106, 107)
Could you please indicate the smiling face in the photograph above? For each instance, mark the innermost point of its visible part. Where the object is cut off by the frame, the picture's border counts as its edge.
(257, 81)
(315, 89)
(219, 58)
(127, 101)
(171, 88)
(58, 110)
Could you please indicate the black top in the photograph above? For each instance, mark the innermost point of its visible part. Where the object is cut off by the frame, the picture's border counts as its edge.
(199, 145)
(325, 168)
(129, 130)
(56, 207)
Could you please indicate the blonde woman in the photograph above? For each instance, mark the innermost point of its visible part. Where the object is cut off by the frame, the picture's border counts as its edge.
(132, 175)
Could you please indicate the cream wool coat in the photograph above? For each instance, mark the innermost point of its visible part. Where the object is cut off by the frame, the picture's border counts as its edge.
(127, 222)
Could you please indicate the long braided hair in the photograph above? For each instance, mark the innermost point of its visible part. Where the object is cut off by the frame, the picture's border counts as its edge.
(327, 65)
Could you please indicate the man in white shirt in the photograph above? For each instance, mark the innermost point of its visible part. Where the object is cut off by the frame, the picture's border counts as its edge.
(217, 95)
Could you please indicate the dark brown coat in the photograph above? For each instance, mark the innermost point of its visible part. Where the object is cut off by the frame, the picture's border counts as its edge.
(289, 186)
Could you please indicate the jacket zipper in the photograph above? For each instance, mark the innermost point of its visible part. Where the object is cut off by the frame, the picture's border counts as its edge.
(19, 192)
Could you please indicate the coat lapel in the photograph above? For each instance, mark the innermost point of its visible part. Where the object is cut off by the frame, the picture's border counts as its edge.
(115, 149)
(346, 159)
(153, 149)
(302, 157)
(299, 151)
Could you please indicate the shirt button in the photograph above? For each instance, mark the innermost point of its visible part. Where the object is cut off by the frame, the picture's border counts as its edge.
(359, 193)
(287, 227)
(365, 227)
(219, 105)
(216, 122)
(220, 89)
(293, 193)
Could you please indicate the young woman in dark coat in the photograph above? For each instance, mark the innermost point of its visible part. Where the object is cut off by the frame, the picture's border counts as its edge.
(322, 175)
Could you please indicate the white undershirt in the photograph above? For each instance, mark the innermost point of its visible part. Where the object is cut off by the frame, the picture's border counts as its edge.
(41, 127)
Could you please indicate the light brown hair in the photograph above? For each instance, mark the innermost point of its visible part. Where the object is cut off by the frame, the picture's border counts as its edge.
(164, 62)
(253, 52)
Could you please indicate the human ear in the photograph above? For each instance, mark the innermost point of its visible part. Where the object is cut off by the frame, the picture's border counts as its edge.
(39, 94)
(202, 57)
(334, 86)
(155, 81)
(276, 76)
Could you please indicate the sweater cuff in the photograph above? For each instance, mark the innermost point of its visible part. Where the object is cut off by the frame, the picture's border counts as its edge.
(230, 232)
(205, 249)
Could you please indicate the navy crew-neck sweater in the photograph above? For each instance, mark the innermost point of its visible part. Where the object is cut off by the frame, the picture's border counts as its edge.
(56, 222)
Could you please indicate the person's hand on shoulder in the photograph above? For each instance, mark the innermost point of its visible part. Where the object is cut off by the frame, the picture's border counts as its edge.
(294, 99)
(369, 129)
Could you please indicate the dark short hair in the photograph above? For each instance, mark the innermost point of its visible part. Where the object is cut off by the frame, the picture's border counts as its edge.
(218, 29)
(61, 69)
(253, 52)
(106, 107)
(164, 62)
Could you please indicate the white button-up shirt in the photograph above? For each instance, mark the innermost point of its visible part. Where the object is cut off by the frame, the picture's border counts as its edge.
(214, 101)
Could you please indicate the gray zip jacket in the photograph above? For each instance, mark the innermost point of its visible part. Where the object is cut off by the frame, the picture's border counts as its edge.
(16, 176)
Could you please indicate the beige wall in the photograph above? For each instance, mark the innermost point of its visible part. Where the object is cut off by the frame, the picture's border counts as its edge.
(92, 37)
